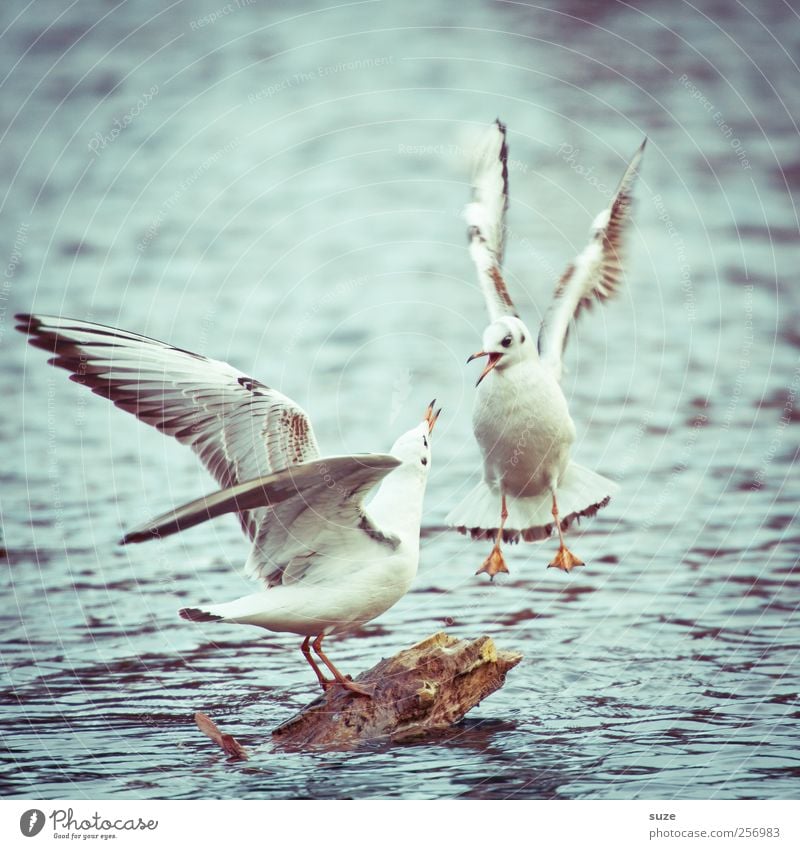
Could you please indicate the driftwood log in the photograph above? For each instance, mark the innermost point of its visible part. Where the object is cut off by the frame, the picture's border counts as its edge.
(416, 693)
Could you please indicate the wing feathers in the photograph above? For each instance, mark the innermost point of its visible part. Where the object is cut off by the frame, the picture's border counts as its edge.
(486, 219)
(309, 482)
(240, 428)
(596, 272)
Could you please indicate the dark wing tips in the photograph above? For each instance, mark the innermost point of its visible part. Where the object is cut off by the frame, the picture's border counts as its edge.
(503, 155)
(34, 327)
(135, 536)
(27, 323)
(613, 234)
(194, 614)
(623, 201)
(65, 353)
(632, 171)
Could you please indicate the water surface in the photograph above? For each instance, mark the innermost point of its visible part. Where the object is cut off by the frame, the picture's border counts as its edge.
(284, 192)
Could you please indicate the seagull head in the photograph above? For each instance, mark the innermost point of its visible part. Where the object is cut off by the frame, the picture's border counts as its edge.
(414, 446)
(505, 342)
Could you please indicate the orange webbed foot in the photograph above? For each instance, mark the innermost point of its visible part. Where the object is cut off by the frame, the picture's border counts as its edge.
(493, 564)
(565, 560)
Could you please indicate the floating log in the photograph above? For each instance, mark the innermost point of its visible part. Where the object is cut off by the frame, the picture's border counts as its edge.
(418, 692)
(230, 745)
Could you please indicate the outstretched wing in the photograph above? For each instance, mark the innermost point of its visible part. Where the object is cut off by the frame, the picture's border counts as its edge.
(595, 272)
(310, 508)
(486, 219)
(239, 428)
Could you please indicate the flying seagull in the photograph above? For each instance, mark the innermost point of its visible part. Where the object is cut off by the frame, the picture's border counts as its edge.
(521, 419)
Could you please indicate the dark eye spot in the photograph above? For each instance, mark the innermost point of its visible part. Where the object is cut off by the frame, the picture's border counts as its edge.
(425, 441)
(522, 339)
(507, 341)
(424, 461)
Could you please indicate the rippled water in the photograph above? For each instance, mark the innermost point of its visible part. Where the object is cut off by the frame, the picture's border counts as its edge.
(284, 193)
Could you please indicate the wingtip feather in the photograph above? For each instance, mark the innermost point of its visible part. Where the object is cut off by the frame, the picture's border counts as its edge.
(195, 614)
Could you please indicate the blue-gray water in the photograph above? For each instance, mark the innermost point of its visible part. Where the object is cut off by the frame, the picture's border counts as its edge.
(283, 191)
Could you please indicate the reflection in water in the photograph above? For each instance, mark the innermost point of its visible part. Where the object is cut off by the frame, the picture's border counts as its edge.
(310, 233)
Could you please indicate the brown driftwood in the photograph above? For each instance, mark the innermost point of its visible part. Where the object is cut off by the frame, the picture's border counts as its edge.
(419, 691)
(230, 745)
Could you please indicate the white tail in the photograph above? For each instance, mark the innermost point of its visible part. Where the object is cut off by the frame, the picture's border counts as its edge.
(581, 492)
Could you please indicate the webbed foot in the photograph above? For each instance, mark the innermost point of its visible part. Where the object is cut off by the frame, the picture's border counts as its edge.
(565, 560)
(494, 563)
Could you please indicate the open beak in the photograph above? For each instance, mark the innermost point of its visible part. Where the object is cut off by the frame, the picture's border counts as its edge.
(430, 416)
(494, 359)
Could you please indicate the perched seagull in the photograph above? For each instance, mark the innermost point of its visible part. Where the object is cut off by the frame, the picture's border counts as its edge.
(328, 563)
(520, 419)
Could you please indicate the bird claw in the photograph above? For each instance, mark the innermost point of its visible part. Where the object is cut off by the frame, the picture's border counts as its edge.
(357, 689)
(565, 560)
(493, 564)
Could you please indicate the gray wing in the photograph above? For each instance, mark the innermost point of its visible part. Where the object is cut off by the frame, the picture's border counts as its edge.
(486, 220)
(594, 274)
(309, 509)
(239, 428)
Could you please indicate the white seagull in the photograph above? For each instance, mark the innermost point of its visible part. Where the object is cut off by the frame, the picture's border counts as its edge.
(328, 563)
(521, 419)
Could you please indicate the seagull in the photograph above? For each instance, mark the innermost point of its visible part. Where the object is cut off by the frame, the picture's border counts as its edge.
(327, 563)
(521, 419)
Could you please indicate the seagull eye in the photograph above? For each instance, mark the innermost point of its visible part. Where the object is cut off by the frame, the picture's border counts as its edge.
(425, 441)
(424, 461)
(506, 343)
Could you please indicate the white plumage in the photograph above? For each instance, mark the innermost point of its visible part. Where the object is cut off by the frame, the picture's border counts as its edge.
(328, 562)
(521, 419)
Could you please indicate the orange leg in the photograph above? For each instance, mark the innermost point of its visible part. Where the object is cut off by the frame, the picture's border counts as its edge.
(340, 679)
(495, 562)
(564, 559)
(305, 648)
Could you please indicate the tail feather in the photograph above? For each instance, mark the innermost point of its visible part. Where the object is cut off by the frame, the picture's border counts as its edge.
(581, 493)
